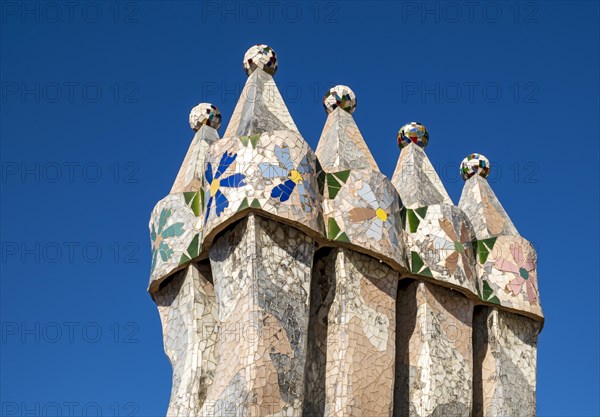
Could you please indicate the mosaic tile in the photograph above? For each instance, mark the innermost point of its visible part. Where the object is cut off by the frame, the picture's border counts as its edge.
(260, 57)
(504, 343)
(189, 178)
(205, 114)
(342, 146)
(505, 356)
(445, 242)
(278, 177)
(188, 314)
(299, 283)
(259, 109)
(506, 262)
(178, 242)
(173, 228)
(262, 293)
(341, 97)
(434, 355)
(360, 307)
(510, 271)
(416, 180)
(367, 210)
(413, 133)
(362, 202)
(482, 206)
(475, 164)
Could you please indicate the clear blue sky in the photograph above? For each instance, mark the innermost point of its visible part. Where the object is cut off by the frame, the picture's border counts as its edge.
(95, 101)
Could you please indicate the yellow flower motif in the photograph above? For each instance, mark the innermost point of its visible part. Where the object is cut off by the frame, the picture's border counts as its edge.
(381, 214)
(214, 186)
(295, 176)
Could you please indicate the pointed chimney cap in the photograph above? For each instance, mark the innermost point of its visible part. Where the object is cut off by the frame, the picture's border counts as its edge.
(475, 164)
(480, 203)
(205, 114)
(413, 132)
(340, 96)
(260, 56)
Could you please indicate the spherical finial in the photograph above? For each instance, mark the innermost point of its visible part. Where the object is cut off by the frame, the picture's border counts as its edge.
(474, 164)
(413, 133)
(260, 56)
(205, 114)
(340, 96)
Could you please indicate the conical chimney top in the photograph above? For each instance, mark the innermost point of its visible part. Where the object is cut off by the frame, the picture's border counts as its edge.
(479, 202)
(415, 178)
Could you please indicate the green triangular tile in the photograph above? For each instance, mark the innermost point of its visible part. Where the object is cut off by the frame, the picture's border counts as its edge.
(254, 140)
(244, 204)
(426, 272)
(343, 175)
(413, 221)
(319, 167)
(333, 186)
(343, 237)
(417, 266)
(403, 217)
(196, 204)
(332, 228)
(421, 211)
(484, 247)
(416, 263)
(193, 249)
(321, 182)
(487, 290)
(255, 203)
(320, 177)
(188, 196)
(483, 252)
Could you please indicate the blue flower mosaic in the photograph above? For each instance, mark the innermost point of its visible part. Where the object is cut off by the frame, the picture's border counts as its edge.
(293, 177)
(216, 182)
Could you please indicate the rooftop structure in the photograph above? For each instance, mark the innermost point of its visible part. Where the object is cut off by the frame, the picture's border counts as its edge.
(293, 282)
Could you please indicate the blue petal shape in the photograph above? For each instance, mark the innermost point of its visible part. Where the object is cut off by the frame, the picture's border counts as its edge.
(283, 191)
(221, 202)
(309, 188)
(283, 154)
(272, 171)
(392, 233)
(301, 189)
(304, 167)
(208, 204)
(304, 200)
(208, 176)
(235, 180)
(226, 160)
